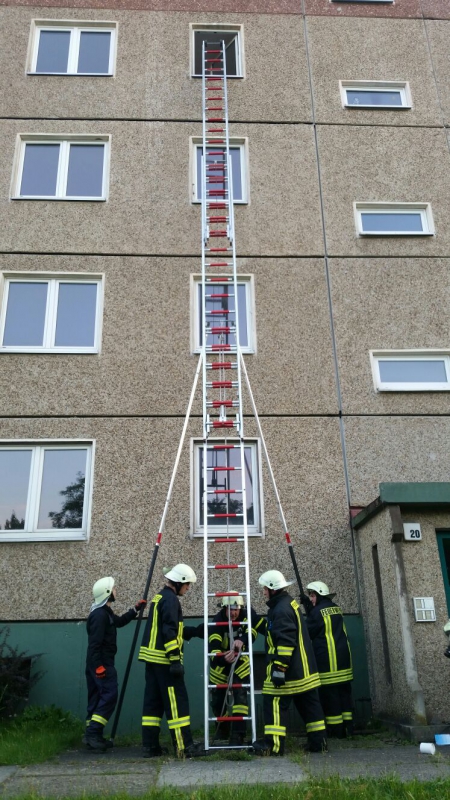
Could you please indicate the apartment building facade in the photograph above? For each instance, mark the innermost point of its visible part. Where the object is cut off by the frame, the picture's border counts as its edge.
(339, 116)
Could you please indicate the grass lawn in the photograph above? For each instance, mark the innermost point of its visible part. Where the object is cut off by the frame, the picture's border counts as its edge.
(37, 735)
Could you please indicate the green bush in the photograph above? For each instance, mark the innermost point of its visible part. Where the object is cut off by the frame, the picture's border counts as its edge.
(16, 677)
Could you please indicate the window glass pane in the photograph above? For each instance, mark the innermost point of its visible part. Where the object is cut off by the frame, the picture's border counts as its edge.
(224, 303)
(403, 223)
(53, 53)
(14, 479)
(409, 371)
(218, 172)
(215, 38)
(94, 52)
(40, 170)
(62, 491)
(25, 314)
(367, 98)
(221, 479)
(85, 178)
(75, 322)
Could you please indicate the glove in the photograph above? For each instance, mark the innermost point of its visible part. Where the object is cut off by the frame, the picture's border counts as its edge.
(447, 652)
(100, 672)
(278, 676)
(176, 669)
(189, 631)
(140, 604)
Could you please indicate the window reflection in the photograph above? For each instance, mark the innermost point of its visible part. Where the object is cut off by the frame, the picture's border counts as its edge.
(14, 481)
(62, 492)
(224, 480)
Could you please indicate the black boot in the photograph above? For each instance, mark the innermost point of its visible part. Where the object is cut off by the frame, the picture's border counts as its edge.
(316, 744)
(262, 747)
(194, 750)
(95, 741)
(154, 752)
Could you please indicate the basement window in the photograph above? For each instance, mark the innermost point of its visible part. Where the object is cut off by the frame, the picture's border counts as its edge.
(72, 48)
(51, 314)
(224, 300)
(392, 95)
(393, 219)
(215, 157)
(224, 474)
(411, 370)
(216, 34)
(45, 491)
(62, 168)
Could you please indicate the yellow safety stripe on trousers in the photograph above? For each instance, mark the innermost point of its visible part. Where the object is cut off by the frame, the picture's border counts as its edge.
(301, 645)
(98, 718)
(181, 722)
(331, 647)
(174, 711)
(312, 727)
(337, 720)
(172, 645)
(240, 710)
(276, 722)
(151, 722)
(339, 676)
(292, 687)
(347, 716)
(274, 730)
(154, 630)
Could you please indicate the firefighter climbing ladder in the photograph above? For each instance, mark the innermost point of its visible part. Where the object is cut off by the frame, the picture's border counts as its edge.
(224, 501)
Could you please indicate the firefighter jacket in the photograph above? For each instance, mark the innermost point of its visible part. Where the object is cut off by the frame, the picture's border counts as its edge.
(329, 639)
(102, 635)
(288, 645)
(162, 642)
(219, 642)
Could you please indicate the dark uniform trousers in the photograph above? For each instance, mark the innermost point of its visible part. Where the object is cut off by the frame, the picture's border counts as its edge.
(102, 698)
(276, 708)
(240, 709)
(336, 699)
(167, 695)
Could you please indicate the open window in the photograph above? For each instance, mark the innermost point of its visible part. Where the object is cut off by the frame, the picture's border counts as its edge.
(230, 34)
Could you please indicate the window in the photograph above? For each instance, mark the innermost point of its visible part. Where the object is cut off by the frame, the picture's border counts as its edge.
(375, 94)
(221, 296)
(411, 371)
(72, 48)
(394, 219)
(230, 34)
(51, 314)
(72, 168)
(220, 479)
(45, 491)
(238, 158)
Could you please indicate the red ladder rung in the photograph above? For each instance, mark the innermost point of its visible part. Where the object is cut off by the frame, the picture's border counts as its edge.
(218, 403)
(211, 296)
(220, 330)
(221, 384)
(224, 566)
(222, 365)
(228, 719)
(222, 469)
(225, 424)
(226, 594)
(225, 516)
(221, 311)
(229, 540)
(225, 685)
(223, 491)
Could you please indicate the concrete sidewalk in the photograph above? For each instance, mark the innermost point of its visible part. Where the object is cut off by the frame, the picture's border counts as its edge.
(123, 770)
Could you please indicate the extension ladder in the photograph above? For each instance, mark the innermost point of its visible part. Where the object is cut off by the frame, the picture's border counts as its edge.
(224, 491)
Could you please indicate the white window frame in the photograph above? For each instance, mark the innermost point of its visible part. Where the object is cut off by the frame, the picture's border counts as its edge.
(53, 279)
(394, 208)
(76, 28)
(409, 355)
(31, 533)
(223, 27)
(197, 530)
(366, 2)
(64, 140)
(401, 87)
(243, 280)
(240, 143)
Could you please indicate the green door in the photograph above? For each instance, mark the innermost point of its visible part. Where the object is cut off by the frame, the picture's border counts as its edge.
(443, 538)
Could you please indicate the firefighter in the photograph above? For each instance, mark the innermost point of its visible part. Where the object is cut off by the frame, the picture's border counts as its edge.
(332, 650)
(291, 671)
(230, 642)
(162, 651)
(101, 675)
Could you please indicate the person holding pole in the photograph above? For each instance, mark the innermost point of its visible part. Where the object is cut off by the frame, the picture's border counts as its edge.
(162, 652)
(291, 671)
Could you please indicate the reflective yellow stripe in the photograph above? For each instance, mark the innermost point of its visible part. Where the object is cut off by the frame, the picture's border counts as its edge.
(154, 630)
(275, 730)
(339, 676)
(337, 720)
(174, 711)
(304, 657)
(284, 650)
(331, 647)
(311, 727)
(291, 687)
(181, 722)
(240, 710)
(215, 637)
(347, 716)
(151, 722)
(97, 718)
(172, 645)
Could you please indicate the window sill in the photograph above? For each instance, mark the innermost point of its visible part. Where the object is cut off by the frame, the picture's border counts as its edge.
(356, 107)
(73, 74)
(32, 537)
(62, 199)
(54, 351)
(383, 234)
(224, 533)
(413, 388)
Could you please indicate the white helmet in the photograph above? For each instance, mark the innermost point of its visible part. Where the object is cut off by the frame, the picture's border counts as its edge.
(319, 587)
(101, 591)
(233, 602)
(274, 579)
(181, 573)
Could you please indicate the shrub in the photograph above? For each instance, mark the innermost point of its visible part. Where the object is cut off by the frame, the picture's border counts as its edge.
(16, 678)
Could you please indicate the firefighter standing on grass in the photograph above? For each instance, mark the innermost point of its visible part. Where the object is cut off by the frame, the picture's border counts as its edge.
(230, 649)
(334, 661)
(101, 675)
(291, 671)
(162, 651)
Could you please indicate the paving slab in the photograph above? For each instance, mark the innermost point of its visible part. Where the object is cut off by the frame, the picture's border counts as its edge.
(237, 773)
(403, 761)
(6, 772)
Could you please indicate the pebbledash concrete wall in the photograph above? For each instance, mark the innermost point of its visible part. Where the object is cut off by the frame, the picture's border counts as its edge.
(323, 297)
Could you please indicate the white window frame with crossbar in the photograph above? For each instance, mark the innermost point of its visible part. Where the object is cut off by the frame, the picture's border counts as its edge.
(400, 87)
(409, 355)
(236, 143)
(64, 140)
(257, 529)
(222, 27)
(38, 447)
(75, 28)
(424, 209)
(54, 280)
(243, 280)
